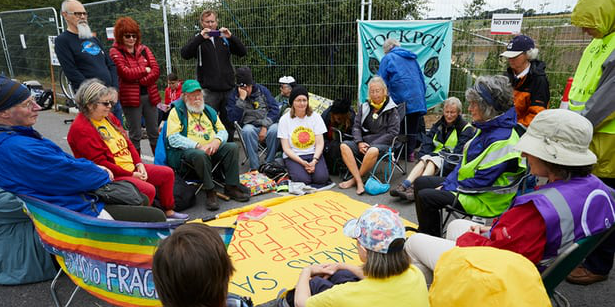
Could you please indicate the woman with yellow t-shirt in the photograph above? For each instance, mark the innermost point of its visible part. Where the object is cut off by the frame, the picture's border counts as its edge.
(96, 135)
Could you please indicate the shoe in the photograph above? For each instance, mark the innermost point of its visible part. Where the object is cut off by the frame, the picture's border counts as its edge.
(582, 276)
(178, 216)
(235, 193)
(281, 300)
(411, 157)
(200, 199)
(399, 191)
(212, 200)
(409, 194)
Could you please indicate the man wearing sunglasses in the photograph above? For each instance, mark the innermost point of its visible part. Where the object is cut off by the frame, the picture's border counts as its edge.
(81, 55)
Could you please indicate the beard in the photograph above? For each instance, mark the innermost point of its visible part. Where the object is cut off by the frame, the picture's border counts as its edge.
(196, 107)
(84, 30)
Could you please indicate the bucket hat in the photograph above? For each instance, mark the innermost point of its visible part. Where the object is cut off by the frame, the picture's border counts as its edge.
(559, 136)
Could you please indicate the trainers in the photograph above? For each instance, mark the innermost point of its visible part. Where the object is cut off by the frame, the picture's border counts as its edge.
(582, 276)
(399, 191)
(212, 200)
(236, 193)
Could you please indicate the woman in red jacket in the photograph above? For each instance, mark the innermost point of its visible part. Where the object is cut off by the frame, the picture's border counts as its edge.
(138, 72)
(96, 134)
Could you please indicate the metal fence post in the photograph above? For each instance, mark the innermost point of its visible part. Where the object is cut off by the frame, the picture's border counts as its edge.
(7, 55)
(167, 46)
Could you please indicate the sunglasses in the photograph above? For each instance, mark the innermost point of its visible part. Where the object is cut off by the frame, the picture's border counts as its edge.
(109, 103)
(130, 36)
(78, 14)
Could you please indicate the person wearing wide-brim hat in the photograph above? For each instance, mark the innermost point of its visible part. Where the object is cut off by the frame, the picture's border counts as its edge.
(572, 205)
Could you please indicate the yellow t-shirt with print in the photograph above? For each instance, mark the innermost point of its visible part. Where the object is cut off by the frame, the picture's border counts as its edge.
(199, 129)
(116, 143)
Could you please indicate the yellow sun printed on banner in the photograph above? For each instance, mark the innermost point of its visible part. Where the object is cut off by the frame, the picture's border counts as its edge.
(302, 137)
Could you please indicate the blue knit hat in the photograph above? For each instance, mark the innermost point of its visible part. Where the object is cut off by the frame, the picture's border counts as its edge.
(11, 93)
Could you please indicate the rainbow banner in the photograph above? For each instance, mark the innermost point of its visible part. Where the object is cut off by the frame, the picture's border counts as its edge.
(112, 260)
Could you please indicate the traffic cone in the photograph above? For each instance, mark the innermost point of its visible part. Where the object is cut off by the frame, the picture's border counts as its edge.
(565, 100)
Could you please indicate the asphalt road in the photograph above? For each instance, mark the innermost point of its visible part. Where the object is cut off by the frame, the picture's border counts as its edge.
(51, 125)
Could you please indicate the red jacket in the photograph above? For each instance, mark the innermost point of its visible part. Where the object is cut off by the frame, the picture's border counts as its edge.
(85, 142)
(131, 74)
(171, 95)
(520, 229)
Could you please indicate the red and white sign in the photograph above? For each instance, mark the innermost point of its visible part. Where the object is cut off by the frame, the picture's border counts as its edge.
(506, 23)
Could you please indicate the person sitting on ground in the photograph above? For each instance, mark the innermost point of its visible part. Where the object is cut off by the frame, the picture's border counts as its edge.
(192, 268)
(338, 116)
(287, 83)
(301, 135)
(449, 134)
(487, 160)
(528, 78)
(196, 141)
(34, 166)
(97, 135)
(541, 224)
(252, 106)
(386, 278)
(487, 276)
(171, 93)
(375, 126)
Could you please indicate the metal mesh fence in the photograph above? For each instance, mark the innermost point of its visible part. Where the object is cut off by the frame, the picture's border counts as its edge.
(25, 47)
(315, 41)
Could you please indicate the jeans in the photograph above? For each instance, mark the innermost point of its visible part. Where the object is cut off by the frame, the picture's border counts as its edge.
(250, 137)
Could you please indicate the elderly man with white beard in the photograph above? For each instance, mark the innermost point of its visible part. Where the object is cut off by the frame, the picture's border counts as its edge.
(196, 140)
(81, 55)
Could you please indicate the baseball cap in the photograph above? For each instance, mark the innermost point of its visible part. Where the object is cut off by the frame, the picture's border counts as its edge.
(287, 80)
(190, 86)
(518, 45)
(376, 229)
(559, 136)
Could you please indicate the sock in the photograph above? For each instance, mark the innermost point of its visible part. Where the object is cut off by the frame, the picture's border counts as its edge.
(406, 183)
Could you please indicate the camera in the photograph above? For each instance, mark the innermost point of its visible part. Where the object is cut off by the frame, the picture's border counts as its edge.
(213, 33)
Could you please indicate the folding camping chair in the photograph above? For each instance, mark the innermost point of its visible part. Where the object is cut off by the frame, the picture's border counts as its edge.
(112, 260)
(455, 212)
(565, 262)
(262, 149)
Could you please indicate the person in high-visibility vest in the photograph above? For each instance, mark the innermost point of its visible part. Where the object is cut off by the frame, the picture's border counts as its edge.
(540, 225)
(488, 159)
(448, 134)
(593, 95)
(528, 78)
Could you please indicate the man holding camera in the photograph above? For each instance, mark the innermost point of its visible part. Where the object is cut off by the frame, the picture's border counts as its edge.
(212, 49)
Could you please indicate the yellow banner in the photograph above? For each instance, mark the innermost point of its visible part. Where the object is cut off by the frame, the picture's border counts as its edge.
(299, 231)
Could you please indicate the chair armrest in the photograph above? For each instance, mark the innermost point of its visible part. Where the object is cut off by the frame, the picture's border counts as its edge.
(512, 187)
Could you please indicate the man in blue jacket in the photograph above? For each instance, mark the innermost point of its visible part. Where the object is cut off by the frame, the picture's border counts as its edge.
(34, 166)
(254, 108)
(403, 76)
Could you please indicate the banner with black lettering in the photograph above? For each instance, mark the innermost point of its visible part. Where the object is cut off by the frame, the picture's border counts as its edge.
(431, 41)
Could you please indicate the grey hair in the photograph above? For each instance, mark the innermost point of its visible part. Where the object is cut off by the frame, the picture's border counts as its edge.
(65, 3)
(454, 101)
(501, 91)
(389, 44)
(89, 92)
(532, 54)
(377, 79)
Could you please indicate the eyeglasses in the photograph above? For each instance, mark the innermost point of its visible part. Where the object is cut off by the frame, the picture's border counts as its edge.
(78, 14)
(108, 103)
(29, 104)
(130, 36)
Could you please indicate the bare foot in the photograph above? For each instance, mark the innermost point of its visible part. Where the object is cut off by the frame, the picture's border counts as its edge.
(360, 188)
(347, 184)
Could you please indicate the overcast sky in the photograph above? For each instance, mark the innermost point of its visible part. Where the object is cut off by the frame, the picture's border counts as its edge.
(448, 8)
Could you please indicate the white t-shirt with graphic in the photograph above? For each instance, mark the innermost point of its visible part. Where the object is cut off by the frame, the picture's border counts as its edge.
(301, 132)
